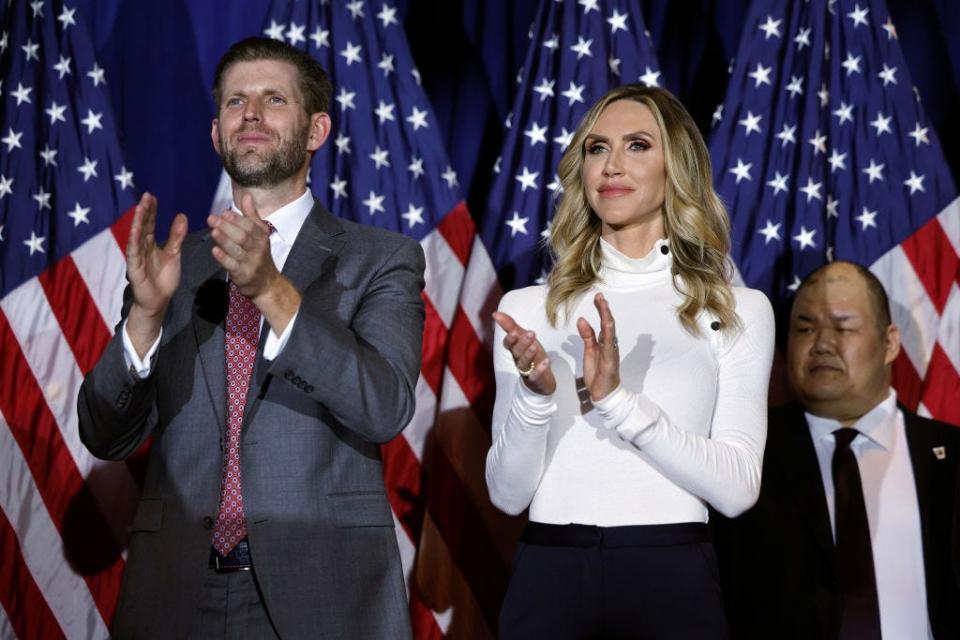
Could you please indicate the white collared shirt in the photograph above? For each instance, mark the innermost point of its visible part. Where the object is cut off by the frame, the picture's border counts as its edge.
(893, 512)
(286, 221)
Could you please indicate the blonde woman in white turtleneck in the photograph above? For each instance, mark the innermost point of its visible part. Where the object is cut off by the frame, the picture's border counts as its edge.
(631, 389)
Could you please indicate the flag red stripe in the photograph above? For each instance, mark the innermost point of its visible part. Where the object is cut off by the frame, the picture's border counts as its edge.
(934, 261)
(79, 318)
(434, 346)
(458, 230)
(121, 228)
(401, 474)
(907, 382)
(20, 597)
(422, 620)
(88, 540)
(472, 367)
(401, 471)
(465, 534)
(941, 394)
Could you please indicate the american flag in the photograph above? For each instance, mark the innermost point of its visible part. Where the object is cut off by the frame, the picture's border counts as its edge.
(63, 192)
(822, 152)
(579, 50)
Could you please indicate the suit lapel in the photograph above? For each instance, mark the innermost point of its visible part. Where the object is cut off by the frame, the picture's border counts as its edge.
(315, 249)
(210, 300)
(802, 474)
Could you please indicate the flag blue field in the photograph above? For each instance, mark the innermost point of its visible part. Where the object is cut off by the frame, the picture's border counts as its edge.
(822, 152)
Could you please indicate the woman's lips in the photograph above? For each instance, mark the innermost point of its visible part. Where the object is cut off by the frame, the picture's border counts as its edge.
(614, 192)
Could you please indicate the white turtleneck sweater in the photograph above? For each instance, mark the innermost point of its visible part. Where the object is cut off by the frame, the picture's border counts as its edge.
(686, 427)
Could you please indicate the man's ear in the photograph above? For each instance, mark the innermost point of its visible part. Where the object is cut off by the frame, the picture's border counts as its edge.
(215, 135)
(320, 125)
(892, 343)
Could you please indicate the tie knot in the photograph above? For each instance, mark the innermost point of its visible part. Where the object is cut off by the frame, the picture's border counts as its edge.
(845, 436)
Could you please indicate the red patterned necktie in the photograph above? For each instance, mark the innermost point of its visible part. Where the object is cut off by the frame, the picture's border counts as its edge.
(242, 333)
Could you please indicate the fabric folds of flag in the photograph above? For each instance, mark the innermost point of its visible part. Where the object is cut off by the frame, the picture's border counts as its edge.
(63, 194)
(822, 152)
(385, 165)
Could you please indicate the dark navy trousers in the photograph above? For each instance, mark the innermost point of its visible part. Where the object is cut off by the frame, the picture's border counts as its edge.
(580, 581)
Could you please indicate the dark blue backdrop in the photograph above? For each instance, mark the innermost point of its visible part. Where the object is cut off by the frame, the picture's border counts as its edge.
(159, 59)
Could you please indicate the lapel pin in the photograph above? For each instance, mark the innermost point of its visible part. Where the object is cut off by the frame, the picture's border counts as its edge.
(940, 452)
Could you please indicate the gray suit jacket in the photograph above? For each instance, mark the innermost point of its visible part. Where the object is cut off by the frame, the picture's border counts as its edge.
(319, 524)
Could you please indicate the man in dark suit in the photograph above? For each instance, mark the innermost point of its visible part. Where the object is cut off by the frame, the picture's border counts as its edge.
(268, 356)
(852, 534)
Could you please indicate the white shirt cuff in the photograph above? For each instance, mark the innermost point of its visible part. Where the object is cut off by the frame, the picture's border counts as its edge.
(534, 409)
(631, 415)
(137, 367)
(274, 344)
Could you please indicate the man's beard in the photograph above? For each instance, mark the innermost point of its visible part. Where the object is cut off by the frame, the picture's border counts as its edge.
(252, 170)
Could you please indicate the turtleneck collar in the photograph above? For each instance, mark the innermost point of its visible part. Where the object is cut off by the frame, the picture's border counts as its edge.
(621, 270)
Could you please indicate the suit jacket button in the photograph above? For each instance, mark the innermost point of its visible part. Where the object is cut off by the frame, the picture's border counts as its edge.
(207, 522)
(308, 388)
(288, 374)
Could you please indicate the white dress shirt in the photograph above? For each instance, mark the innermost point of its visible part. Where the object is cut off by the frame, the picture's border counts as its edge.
(286, 222)
(893, 513)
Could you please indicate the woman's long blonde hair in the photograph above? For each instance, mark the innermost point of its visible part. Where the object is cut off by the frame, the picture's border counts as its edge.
(695, 220)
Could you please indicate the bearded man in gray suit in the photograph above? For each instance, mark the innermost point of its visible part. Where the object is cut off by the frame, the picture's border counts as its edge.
(267, 356)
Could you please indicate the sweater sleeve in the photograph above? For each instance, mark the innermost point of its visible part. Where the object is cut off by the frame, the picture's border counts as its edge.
(521, 421)
(723, 468)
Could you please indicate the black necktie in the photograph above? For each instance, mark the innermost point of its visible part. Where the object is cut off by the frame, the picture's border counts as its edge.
(859, 606)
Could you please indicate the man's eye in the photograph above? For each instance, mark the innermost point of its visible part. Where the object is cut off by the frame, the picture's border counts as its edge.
(276, 100)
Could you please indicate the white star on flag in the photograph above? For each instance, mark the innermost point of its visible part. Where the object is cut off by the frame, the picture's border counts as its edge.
(517, 224)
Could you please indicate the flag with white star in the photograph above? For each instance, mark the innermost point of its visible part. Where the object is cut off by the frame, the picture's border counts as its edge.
(822, 152)
(62, 178)
(385, 165)
(64, 191)
(578, 51)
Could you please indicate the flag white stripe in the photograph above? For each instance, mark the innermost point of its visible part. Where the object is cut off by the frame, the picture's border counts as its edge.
(419, 427)
(949, 219)
(6, 630)
(481, 292)
(407, 552)
(911, 309)
(66, 593)
(443, 276)
(103, 267)
(949, 334)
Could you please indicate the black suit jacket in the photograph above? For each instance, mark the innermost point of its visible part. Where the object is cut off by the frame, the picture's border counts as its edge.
(777, 560)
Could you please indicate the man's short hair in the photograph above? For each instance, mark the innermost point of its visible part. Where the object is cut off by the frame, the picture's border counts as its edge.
(314, 81)
(875, 290)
